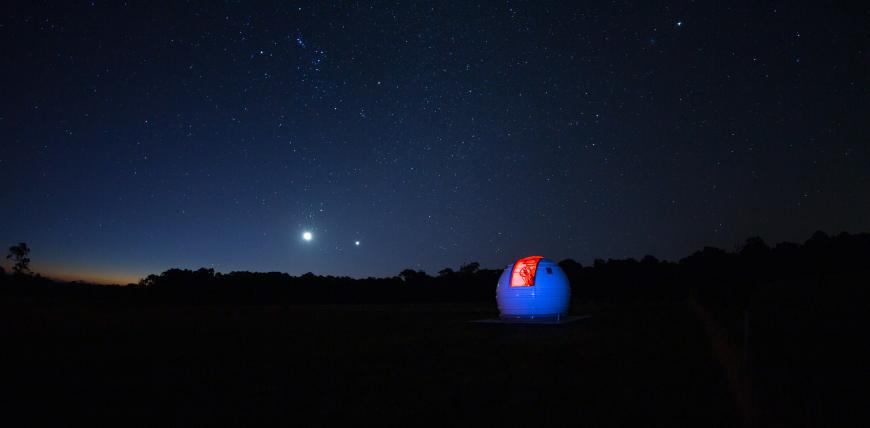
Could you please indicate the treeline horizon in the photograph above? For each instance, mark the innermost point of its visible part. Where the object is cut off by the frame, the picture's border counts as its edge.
(818, 264)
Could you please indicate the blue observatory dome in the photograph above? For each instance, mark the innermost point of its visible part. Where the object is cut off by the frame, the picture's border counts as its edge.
(533, 287)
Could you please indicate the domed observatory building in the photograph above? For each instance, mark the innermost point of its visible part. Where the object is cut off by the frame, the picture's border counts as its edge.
(533, 287)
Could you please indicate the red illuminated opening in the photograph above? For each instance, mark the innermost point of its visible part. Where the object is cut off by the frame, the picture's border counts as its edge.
(523, 274)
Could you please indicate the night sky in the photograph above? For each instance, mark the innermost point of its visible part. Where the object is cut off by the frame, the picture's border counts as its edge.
(137, 137)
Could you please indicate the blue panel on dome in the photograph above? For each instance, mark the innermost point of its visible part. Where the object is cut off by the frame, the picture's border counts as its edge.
(545, 293)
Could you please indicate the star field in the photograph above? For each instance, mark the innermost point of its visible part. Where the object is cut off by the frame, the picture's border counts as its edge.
(138, 137)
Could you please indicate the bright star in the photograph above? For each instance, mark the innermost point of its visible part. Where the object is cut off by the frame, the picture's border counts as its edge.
(356, 243)
(307, 236)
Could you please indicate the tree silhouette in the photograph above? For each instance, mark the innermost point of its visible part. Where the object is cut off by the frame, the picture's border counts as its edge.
(649, 260)
(469, 268)
(149, 281)
(446, 272)
(18, 254)
(571, 267)
(411, 275)
(755, 248)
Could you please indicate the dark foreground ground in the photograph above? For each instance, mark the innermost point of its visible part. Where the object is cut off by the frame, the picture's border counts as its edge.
(629, 365)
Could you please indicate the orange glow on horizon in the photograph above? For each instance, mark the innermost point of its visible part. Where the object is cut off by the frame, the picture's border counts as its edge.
(523, 274)
(101, 278)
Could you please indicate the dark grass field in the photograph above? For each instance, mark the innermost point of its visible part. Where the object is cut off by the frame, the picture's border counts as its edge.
(637, 365)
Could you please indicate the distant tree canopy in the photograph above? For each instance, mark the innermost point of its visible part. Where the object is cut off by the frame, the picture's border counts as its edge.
(570, 267)
(411, 275)
(19, 256)
(711, 273)
(469, 268)
(446, 272)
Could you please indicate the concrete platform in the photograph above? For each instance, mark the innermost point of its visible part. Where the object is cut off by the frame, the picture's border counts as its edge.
(534, 321)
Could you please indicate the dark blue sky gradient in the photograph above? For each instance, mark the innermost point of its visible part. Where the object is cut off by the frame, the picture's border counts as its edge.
(138, 137)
